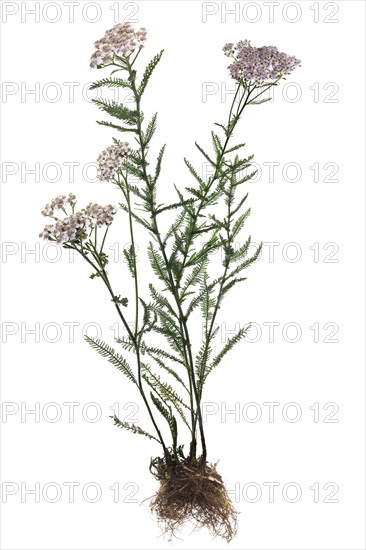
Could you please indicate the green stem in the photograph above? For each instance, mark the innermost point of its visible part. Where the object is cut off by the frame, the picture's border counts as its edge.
(230, 128)
(128, 200)
(183, 327)
(219, 295)
(216, 174)
(135, 339)
(103, 274)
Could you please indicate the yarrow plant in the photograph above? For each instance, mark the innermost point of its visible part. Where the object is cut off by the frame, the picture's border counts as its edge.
(111, 160)
(120, 40)
(77, 226)
(258, 65)
(158, 355)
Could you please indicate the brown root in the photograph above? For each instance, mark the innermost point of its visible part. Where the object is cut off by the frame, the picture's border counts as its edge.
(192, 492)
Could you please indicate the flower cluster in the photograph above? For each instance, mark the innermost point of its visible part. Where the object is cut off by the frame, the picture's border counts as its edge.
(229, 49)
(59, 203)
(122, 39)
(257, 65)
(100, 215)
(110, 160)
(76, 226)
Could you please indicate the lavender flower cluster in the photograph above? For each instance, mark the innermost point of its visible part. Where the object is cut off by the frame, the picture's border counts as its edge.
(122, 39)
(110, 160)
(76, 226)
(258, 65)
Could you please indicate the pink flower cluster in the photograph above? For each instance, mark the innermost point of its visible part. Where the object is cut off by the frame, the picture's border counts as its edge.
(122, 40)
(76, 226)
(59, 203)
(110, 160)
(258, 65)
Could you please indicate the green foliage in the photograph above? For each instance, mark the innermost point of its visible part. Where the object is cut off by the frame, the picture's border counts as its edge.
(134, 428)
(130, 257)
(148, 72)
(160, 357)
(167, 414)
(148, 323)
(246, 263)
(118, 110)
(161, 302)
(219, 357)
(158, 163)
(126, 343)
(158, 264)
(196, 277)
(205, 155)
(113, 357)
(208, 218)
(115, 126)
(234, 148)
(194, 173)
(110, 83)
(120, 301)
(150, 130)
(138, 219)
(177, 223)
(165, 392)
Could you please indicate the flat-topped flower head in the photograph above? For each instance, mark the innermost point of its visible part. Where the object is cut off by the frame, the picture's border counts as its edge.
(77, 226)
(111, 159)
(58, 203)
(258, 65)
(122, 40)
(100, 215)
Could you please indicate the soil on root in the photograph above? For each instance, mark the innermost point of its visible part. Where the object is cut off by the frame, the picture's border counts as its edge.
(192, 493)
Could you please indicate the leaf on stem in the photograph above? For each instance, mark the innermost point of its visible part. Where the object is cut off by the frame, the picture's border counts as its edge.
(134, 428)
(115, 126)
(148, 72)
(112, 356)
(117, 110)
(110, 83)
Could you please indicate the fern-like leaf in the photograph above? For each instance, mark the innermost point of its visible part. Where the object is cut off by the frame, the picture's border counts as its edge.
(116, 126)
(150, 130)
(134, 428)
(158, 163)
(110, 83)
(205, 155)
(245, 263)
(172, 423)
(193, 171)
(148, 72)
(105, 350)
(161, 301)
(239, 224)
(157, 263)
(157, 355)
(117, 110)
(228, 346)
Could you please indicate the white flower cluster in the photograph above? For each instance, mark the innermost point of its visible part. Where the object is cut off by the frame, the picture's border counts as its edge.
(122, 39)
(77, 226)
(59, 203)
(110, 160)
(100, 215)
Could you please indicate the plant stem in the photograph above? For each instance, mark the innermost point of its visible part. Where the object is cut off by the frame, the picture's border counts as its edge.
(128, 200)
(135, 339)
(183, 326)
(230, 129)
(103, 274)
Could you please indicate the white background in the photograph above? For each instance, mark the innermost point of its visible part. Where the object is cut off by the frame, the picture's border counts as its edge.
(308, 125)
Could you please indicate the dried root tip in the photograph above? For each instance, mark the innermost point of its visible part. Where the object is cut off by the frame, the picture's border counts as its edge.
(192, 492)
